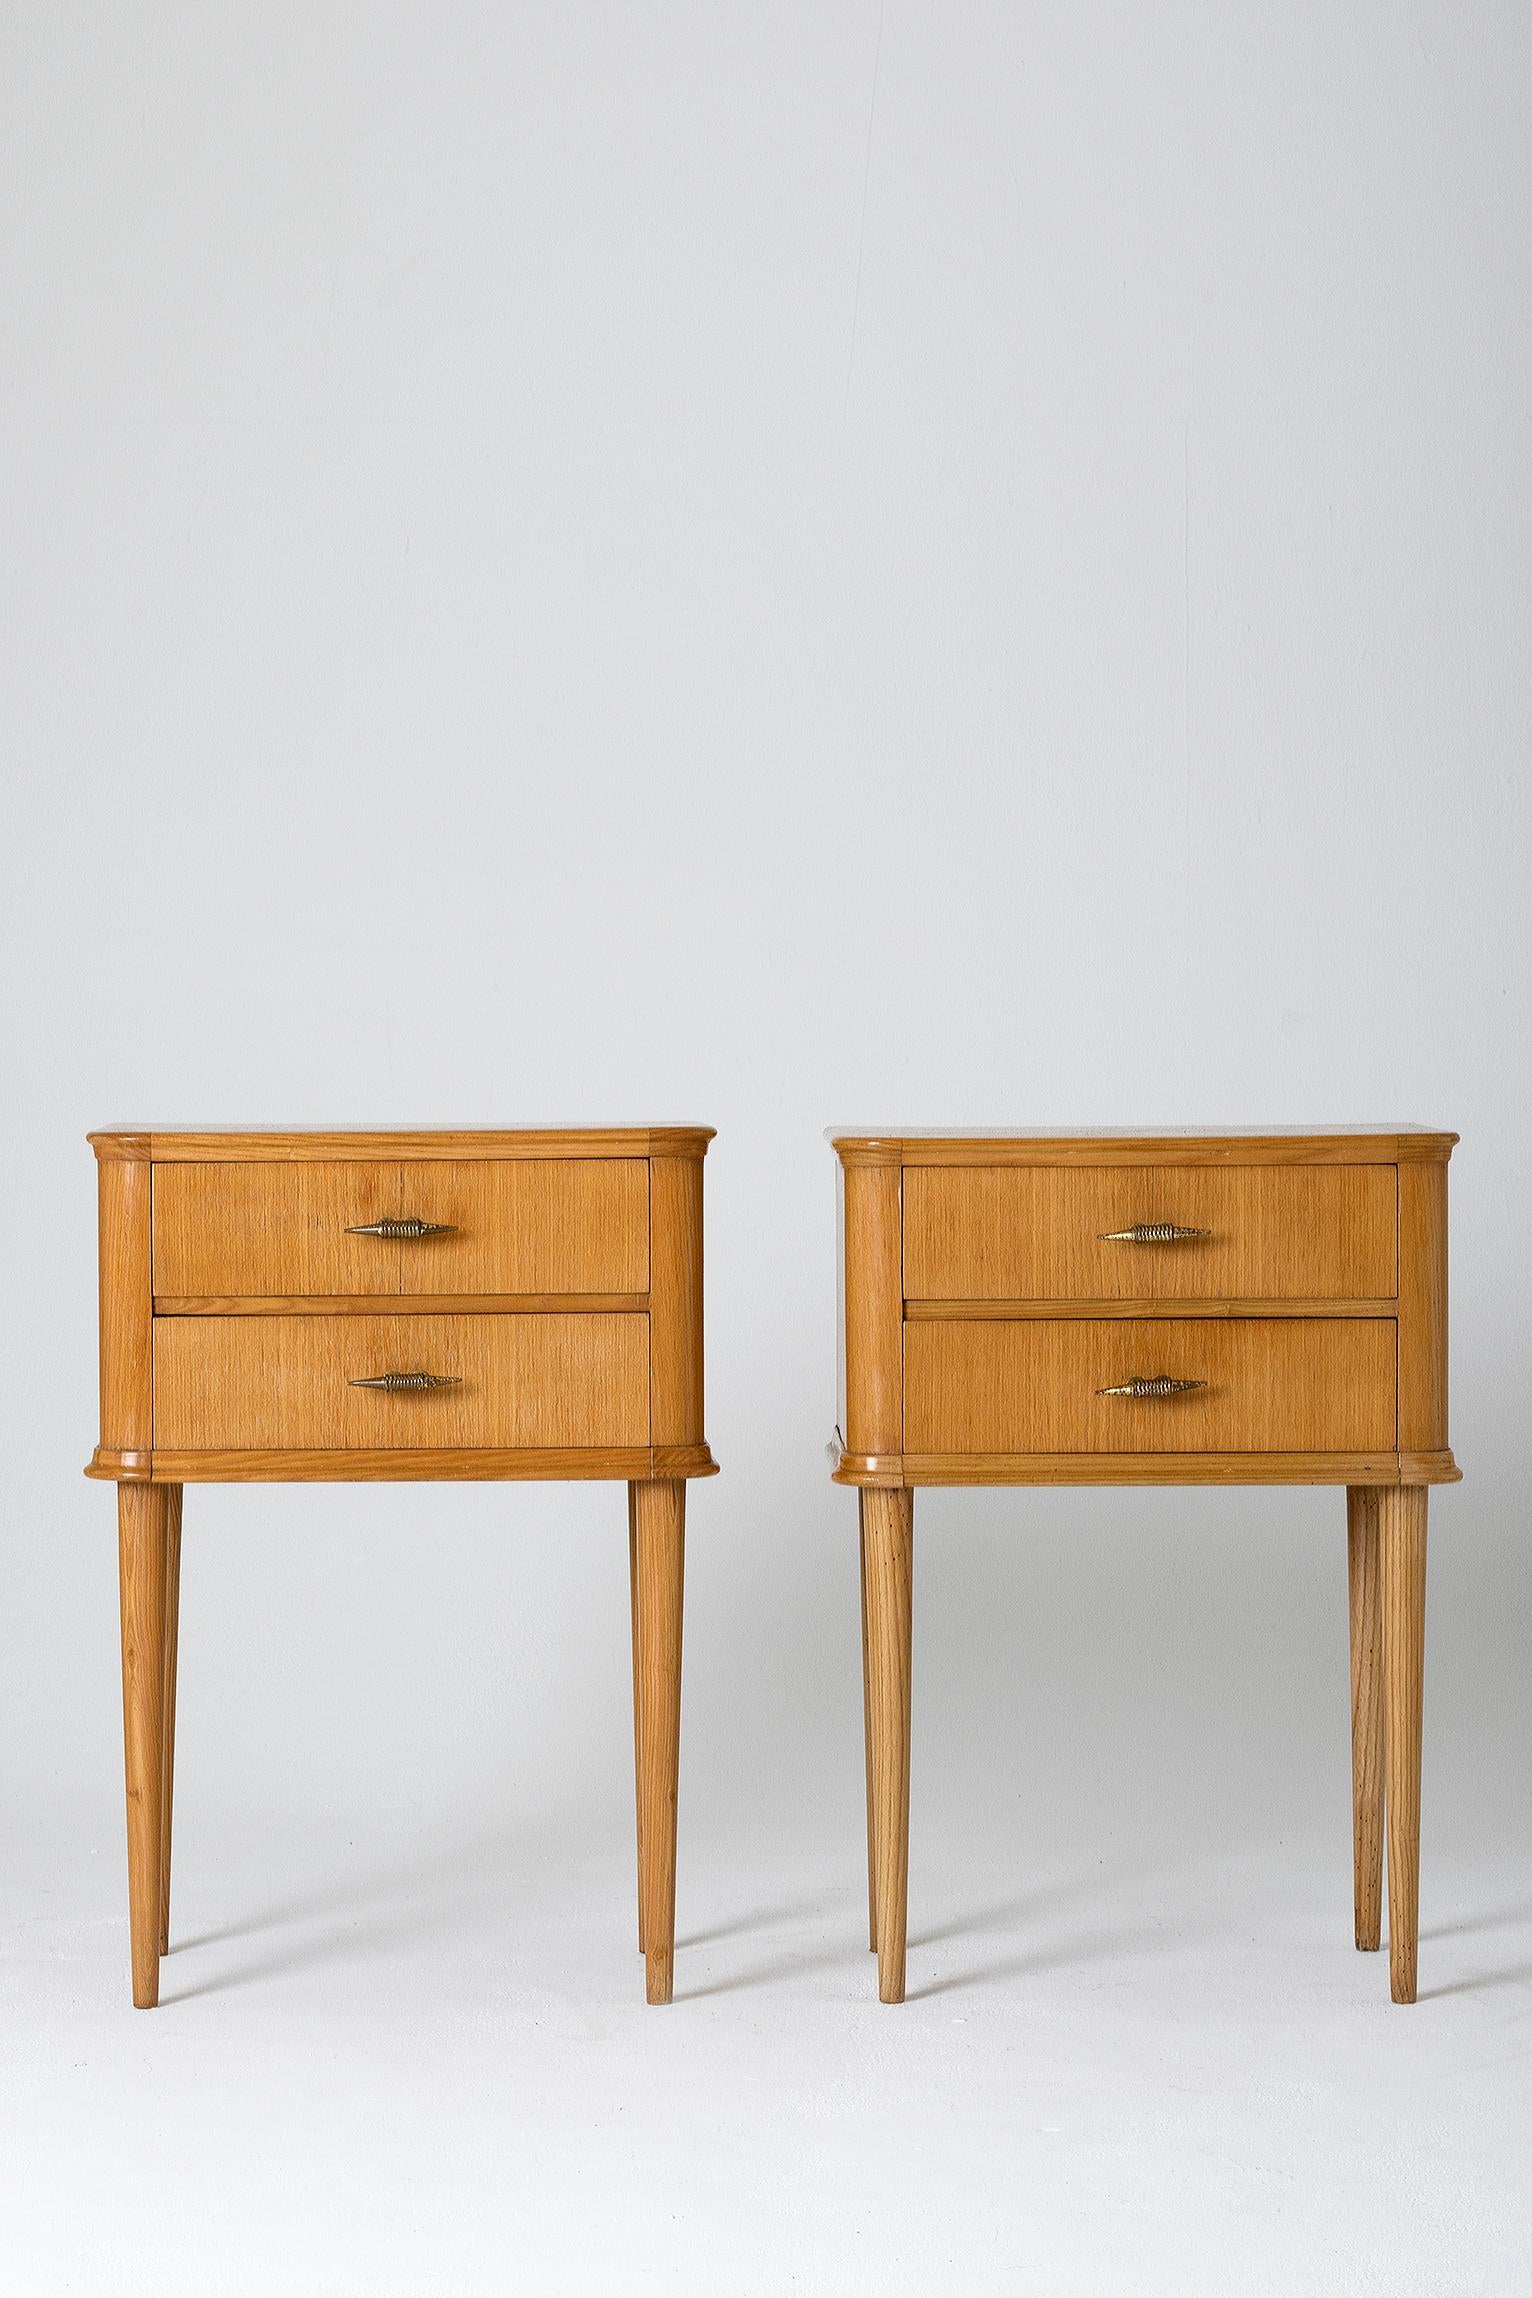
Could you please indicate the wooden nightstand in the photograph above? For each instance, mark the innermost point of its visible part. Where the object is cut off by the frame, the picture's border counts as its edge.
(285, 1307)
(1196, 1308)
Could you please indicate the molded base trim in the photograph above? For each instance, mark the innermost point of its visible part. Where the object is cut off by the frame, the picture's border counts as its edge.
(888, 1470)
(637, 1463)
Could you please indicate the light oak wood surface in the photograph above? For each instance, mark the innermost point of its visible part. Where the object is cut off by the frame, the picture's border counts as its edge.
(982, 1310)
(1041, 1232)
(888, 1531)
(1130, 1305)
(287, 1382)
(564, 1304)
(1423, 1306)
(638, 1736)
(872, 1838)
(660, 1541)
(422, 1464)
(1273, 1385)
(513, 1226)
(187, 1144)
(173, 1498)
(1366, 1622)
(989, 1468)
(1402, 1576)
(262, 1228)
(1229, 1145)
(126, 1321)
(872, 1307)
(143, 1520)
(421, 1304)
(675, 1300)
(572, 1225)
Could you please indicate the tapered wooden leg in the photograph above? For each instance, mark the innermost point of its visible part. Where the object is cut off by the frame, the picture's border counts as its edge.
(1366, 1710)
(660, 1527)
(143, 1513)
(1402, 1557)
(172, 1639)
(888, 1523)
(872, 1852)
(638, 1729)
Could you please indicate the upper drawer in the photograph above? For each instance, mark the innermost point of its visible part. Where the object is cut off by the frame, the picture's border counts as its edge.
(522, 1225)
(1038, 1232)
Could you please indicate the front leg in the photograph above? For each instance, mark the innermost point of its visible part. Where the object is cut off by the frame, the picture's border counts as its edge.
(168, 1728)
(1366, 1711)
(143, 1529)
(659, 1522)
(872, 1832)
(1402, 1557)
(889, 1521)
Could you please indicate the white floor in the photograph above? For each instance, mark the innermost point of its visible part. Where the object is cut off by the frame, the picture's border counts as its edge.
(412, 2056)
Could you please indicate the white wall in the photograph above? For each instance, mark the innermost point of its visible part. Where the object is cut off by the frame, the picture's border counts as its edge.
(769, 565)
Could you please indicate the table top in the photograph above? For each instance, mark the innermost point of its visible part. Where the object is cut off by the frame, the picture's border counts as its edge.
(972, 1144)
(258, 1144)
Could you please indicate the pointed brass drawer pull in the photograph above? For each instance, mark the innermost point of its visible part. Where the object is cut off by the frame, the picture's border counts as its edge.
(1160, 1385)
(394, 1381)
(413, 1227)
(1149, 1233)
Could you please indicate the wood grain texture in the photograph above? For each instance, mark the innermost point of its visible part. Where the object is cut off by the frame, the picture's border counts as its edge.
(888, 1525)
(1402, 1559)
(124, 1197)
(872, 1838)
(425, 1464)
(120, 1467)
(996, 1468)
(275, 1228)
(1300, 1385)
(872, 1307)
(252, 1383)
(1366, 1635)
(1036, 1232)
(143, 1512)
(196, 1145)
(516, 1226)
(885, 1469)
(421, 1304)
(689, 1461)
(638, 1731)
(1423, 1306)
(168, 1725)
(1335, 1145)
(675, 1301)
(572, 1225)
(660, 1525)
(1132, 1305)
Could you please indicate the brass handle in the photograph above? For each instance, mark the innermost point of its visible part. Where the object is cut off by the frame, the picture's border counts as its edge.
(413, 1227)
(1160, 1384)
(394, 1381)
(1149, 1233)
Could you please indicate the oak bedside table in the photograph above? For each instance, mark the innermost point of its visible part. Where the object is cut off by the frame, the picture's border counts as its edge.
(284, 1307)
(1197, 1308)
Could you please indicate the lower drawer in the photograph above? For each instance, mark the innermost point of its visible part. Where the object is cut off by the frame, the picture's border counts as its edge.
(1272, 1384)
(285, 1383)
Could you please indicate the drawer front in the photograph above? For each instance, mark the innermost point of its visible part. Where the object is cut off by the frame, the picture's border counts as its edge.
(1035, 1233)
(529, 1226)
(275, 1383)
(576, 1225)
(1273, 1384)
